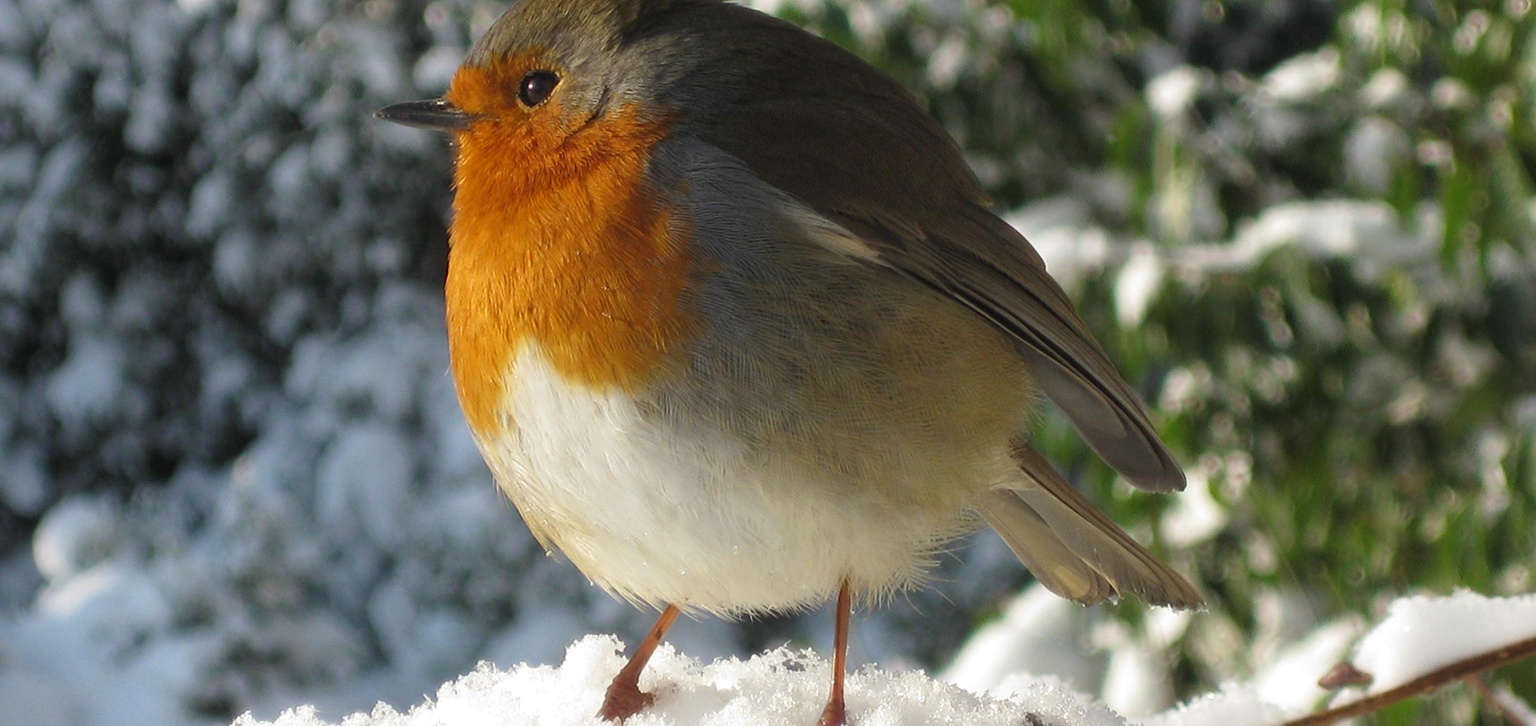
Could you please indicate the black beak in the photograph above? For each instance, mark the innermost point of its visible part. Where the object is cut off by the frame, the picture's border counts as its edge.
(437, 114)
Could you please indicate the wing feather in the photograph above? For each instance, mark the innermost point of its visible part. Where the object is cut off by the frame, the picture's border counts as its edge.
(1011, 288)
(850, 143)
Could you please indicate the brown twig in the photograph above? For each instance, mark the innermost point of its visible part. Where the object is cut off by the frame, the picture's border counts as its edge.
(1423, 684)
(1501, 703)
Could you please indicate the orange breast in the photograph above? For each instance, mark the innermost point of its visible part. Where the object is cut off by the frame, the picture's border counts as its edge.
(561, 245)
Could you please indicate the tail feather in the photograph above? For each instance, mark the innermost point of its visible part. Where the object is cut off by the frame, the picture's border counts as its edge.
(1046, 556)
(1070, 546)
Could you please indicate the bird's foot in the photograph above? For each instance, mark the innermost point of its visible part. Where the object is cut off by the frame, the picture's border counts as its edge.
(835, 714)
(624, 699)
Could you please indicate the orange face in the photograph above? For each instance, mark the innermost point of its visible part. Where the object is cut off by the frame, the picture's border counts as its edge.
(556, 241)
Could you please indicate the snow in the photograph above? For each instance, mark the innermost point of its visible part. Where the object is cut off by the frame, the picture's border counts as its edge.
(780, 687)
(947, 61)
(558, 628)
(1374, 151)
(1370, 234)
(1517, 709)
(24, 480)
(1233, 705)
(76, 534)
(1028, 662)
(1367, 232)
(1386, 89)
(1174, 91)
(364, 483)
(73, 656)
(1136, 683)
(437, 66)
(1303, 77)
(86, 388)
(1060, 230)
(1451, 95)
(1137, 285)
(1196, 516)
(1422, 633)
(48, 702)
(1039, 634)
(1290, 680)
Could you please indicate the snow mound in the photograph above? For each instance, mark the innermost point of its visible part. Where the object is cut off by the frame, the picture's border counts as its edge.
(1234, 705)
(1422, 634)
(782, 686)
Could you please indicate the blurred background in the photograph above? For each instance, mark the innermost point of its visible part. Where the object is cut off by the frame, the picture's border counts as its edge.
(233, 474)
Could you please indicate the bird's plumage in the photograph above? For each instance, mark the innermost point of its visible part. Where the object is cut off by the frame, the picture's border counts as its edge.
(734, 329)
(849, 142)
(835, 328)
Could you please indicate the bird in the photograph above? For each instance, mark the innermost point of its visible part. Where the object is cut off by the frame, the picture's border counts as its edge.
(737, 331)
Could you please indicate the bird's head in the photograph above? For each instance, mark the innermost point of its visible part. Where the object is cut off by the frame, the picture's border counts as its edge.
(545, 71)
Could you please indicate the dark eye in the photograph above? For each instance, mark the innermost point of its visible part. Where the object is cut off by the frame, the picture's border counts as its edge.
(536, 87)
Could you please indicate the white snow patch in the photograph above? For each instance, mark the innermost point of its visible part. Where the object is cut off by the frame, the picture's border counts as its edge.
(76, 651)
(1171, 93)
(435, 68)
(1137, 681)
(1059, 229)
(1423, 633)
(1373, 152)
(421, 640)
(1137, 286)
(48, 703)
(1519, 711)
(539, 635)
(947, 61)
(1303, 77)
(75, 535)
(1388, 87)
(87, 388)
(780, 687)
(1291, 680)
(1452, 95)
(1039, 634)
(1368, 232)
(1233, 705)
(1195, 516)
(365, 482)
(24, 483)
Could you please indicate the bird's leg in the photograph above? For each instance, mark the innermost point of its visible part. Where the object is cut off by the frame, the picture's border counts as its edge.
(836, 712)
(624, 698)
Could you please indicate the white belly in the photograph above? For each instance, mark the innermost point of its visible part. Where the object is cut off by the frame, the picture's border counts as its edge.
(703, 520)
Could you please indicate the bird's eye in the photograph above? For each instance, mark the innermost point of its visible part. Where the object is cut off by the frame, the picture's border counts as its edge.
(535, 87)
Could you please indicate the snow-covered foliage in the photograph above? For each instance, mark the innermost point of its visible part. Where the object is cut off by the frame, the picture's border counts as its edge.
(1422, 633)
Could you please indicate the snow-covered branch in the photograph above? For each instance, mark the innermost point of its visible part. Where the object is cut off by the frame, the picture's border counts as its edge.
(1444, 675)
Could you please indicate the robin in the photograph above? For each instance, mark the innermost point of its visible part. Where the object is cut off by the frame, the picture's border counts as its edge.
(735, 330)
